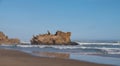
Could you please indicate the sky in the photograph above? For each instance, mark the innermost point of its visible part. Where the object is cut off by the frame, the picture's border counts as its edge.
(86, 19)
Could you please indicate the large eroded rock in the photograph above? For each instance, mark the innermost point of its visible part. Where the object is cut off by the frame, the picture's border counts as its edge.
(5, 40)
(58, 38)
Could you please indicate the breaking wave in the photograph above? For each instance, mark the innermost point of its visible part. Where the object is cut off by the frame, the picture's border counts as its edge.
(98, 43)
(104, 48)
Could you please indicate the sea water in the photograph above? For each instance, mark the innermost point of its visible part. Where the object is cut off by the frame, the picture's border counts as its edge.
(104, 53)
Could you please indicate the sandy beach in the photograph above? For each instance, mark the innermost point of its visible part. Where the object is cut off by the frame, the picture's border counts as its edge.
(17, 58)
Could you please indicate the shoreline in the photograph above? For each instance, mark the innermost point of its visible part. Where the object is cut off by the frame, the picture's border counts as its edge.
(19, 58)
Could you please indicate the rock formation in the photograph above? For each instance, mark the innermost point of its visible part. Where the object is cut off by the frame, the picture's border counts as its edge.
(5, 40)
(58, 38)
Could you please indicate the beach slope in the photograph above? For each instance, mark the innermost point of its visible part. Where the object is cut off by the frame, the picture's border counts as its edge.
(17, 58)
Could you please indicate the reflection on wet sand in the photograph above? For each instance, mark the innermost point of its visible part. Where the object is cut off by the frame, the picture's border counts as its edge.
(52, 54)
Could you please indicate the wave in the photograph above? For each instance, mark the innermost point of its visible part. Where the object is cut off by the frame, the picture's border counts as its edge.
(50, 46)
(81, 46)
(5, 45)
(81, 43)
(103, 49)
(61, 46)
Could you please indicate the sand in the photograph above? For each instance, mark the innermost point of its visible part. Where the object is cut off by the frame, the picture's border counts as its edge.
(18, 58)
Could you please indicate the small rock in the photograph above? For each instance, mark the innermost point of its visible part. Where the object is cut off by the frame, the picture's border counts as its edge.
(5, 40)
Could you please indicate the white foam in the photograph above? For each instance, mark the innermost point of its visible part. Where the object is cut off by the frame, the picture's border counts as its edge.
(27, 46)
(6, 45)
(81, 43)
(104, 49)
(39, 46)
(90, 53)
(112, 50)
(67, 47)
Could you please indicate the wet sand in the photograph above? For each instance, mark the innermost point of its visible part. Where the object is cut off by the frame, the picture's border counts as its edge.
(17, 58)
(52, 54)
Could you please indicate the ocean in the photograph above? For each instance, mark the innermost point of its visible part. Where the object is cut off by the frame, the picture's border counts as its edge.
(97, 52)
